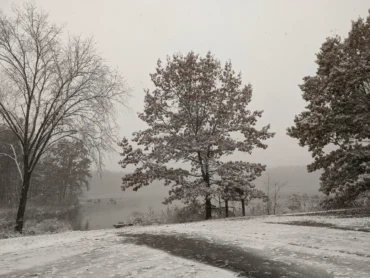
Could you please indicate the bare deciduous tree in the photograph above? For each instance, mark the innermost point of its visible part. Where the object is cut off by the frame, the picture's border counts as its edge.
(13, 156)
(274, 188)
(10, 179)
(51, 90)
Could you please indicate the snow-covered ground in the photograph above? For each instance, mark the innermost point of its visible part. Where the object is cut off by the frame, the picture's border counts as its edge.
(340, 252)
(93, 254)
(105, 253)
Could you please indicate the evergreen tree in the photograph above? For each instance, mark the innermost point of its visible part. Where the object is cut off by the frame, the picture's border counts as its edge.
(235, 182)
(335, 125)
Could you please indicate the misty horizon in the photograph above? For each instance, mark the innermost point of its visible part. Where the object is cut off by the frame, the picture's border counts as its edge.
(272, 43)
(211, 138)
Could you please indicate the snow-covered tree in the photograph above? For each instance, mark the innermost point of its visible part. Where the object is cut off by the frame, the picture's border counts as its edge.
(235, 182)
(197, 114)
(336, 124)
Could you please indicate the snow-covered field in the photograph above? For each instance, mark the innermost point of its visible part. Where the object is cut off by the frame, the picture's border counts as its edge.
(105, 253)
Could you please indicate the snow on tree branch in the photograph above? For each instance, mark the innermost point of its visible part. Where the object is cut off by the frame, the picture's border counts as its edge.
(197, 114)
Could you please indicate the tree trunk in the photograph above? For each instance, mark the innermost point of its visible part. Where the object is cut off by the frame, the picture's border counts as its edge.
(226, 208)
(243, 207)
(208, 198)
(219, 207)
(22, 202)
(208, 208)
(64, 191)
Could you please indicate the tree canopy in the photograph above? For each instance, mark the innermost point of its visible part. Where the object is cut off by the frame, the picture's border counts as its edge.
(53, 87)
(197, 114)
(335, 124)
(63, 173)
(59, 178)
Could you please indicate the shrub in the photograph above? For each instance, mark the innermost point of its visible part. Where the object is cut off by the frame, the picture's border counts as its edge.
(189, 213)
(39, 220)
(47, 226)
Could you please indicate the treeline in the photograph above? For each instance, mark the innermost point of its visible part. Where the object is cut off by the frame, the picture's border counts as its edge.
(198, 114)
(57, 102)
(60, 177)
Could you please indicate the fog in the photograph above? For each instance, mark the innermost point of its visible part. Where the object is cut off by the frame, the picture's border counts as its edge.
(273, 44)
(182, 206)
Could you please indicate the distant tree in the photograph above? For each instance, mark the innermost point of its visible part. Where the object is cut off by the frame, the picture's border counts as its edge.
(235, 181)
(314, 202)
(63, 172)
(51, 90)
(65, 167)
(268, 188)
(294, 202)
(334, 125)
(254, 194)
(10, 168)
(197, 113)
(273, 189)
(246, 197)
(306, 202)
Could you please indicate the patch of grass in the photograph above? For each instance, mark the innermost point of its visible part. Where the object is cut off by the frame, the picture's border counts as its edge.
(32, 227)
(38, 220)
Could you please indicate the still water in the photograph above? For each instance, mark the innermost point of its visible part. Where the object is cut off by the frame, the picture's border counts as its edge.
(102, 213)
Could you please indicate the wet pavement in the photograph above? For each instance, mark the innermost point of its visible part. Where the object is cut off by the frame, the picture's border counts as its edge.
(246, 263)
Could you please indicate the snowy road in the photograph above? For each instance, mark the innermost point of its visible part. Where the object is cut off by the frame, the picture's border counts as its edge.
(259, 247)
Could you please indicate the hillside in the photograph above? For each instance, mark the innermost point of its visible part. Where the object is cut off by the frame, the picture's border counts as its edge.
(297, 178)
(102, 214)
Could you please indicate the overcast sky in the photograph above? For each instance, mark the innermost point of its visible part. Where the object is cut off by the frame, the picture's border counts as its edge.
(273, 43)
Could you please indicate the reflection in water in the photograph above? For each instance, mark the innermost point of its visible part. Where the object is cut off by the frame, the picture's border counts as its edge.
(102, 214)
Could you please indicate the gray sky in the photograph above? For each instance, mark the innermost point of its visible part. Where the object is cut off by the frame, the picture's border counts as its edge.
(271, 42)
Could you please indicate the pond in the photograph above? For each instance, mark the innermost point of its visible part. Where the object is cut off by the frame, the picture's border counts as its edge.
(102, 213)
